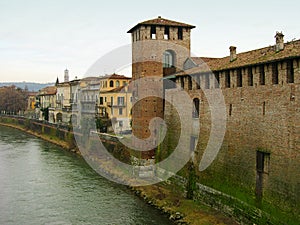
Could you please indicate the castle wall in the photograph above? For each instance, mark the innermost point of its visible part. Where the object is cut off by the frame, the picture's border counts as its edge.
(260, 118)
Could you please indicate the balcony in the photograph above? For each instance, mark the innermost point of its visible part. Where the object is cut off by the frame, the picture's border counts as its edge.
(119, 105)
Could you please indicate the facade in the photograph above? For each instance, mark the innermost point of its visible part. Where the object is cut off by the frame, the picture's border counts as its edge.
(115, 102)
(89, 93)
(63, 103)
(116, 105)
(47, 101)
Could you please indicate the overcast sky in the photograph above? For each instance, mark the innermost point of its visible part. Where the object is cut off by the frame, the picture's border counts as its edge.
(39, 39)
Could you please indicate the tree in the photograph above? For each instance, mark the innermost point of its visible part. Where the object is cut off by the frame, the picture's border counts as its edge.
(13, 100)
(191, 181)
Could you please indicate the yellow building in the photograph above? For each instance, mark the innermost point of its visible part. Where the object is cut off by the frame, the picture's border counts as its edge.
(115, 100)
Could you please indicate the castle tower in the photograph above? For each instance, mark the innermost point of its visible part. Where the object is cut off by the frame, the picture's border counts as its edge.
(66, 77)
(159, 48)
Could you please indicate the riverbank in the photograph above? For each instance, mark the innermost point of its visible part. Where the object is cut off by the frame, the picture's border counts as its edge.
(167, 196)
(65, 145)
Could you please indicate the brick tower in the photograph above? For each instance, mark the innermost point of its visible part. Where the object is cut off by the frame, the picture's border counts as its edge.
(159, 48)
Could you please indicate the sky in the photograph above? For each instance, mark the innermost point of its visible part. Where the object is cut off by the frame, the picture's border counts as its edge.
(39, 39)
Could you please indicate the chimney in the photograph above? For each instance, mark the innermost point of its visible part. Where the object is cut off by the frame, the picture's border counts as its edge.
(232, 53)
(66, 76)
(279, 41)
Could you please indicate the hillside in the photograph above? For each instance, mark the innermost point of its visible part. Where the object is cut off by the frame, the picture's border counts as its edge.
(30, 85)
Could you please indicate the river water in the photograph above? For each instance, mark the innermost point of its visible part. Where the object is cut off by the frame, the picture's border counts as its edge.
(41, 183)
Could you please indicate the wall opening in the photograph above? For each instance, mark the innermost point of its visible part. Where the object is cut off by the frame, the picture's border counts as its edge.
(180, 34)
(196, 108)
(193, 141)
(153, 32)
(207, 81)
(217, 80)
(274, 73)
(227, 79)
(239, 78)
(290, 71)
(167, 33)
(262, 75)
(111, 83)
(190, 83)
(250, 76)
(262, 167)
(182, 82)
(169, 58)
(230, 109)
(264, 108)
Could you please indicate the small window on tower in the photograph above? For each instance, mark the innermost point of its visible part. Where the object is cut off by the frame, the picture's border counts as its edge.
(153, 32)
(167, 33)
(180, 35)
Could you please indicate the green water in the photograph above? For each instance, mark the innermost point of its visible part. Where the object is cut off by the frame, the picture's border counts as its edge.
(42, 184)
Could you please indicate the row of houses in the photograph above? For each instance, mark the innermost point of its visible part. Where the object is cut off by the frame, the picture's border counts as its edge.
(106, 98)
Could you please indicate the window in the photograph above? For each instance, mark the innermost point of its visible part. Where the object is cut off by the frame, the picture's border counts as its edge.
(124, 83)
(290, 71)
(262, 75)
(117, 83)
(217, 80)
(230, 109)
(180, 34)
(120, 123)
(250, 76)
(190, 83)
(182, 82)
(262, 162)
(101, 100)
(111, 83)
(196, 107)
(193, 143)
(227, 79)
(274, 73)
(239, 78)
(168, 59)
(153, 32)
(167, 33)
(121, 101)
(112, 101)
(120, 111)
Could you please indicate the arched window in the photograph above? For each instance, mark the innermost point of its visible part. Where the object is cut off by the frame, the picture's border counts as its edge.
(169, 59)
(59, 117)
(196, 107)
(117, 83)
(111, 83)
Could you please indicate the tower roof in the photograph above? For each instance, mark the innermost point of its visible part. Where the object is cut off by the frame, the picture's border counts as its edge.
(159, 21)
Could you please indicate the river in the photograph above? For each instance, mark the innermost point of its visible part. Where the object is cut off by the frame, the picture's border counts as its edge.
(41, 183)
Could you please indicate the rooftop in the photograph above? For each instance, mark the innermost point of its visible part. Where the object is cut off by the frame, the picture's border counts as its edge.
(51, 90)
(159, 21)
(254, 57)
(115, 76)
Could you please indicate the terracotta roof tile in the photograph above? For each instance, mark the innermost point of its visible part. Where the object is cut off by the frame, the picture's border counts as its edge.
(254, 57)
(51, 90)
(162, 22)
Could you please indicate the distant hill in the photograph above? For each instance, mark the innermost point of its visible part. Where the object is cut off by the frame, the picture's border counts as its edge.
(30, 85)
